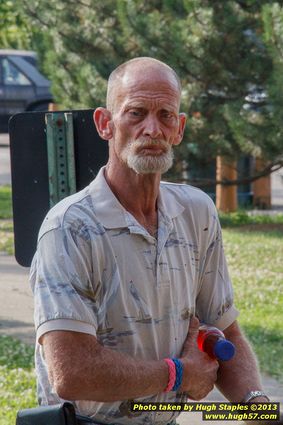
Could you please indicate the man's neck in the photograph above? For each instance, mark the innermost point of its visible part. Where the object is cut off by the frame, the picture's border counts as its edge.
(137, 193)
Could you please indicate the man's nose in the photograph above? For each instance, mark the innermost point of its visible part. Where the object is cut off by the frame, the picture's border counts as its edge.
(152, 127)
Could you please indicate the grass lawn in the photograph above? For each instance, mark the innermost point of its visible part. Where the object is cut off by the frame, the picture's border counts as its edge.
(5, 202)
(7, 236)
(17, 379)
(6, 224)
(254, 255)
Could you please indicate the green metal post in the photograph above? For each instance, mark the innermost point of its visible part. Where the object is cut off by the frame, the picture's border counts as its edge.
(61, 158)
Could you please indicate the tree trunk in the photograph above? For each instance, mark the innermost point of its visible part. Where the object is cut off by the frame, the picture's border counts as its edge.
(226, 196)
(261, 187)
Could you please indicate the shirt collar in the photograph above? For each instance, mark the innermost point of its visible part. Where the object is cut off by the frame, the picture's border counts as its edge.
(113, 215)
(167, 202)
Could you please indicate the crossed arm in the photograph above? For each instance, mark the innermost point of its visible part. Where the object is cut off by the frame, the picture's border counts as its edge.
(241, 374)
(82, 369)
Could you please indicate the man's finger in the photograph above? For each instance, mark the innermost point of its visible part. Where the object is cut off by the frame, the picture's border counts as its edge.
(193, 328)
(192, 335)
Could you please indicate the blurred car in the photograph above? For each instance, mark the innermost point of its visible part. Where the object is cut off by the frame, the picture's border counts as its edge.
(22, 86)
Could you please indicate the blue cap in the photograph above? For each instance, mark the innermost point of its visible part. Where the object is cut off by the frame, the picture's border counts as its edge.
(224, 349)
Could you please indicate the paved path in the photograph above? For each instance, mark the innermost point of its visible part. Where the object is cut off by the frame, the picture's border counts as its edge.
(16, 319)
(16, 313)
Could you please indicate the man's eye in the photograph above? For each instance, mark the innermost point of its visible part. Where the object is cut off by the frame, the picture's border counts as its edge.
(135, 113)
(167, 115)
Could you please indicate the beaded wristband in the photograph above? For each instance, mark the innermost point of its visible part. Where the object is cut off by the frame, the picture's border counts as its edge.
(172, 375)
(179, 374)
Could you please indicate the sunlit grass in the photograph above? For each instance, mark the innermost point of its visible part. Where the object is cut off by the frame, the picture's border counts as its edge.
(256, 267)
(5, 202)
(7, 236)
(17, 379)
(6, 226)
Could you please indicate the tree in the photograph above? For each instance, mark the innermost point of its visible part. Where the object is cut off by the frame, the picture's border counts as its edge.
(225, 52)
(14, 29)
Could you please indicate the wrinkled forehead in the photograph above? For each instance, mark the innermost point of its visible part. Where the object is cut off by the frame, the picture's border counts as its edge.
(148, 82)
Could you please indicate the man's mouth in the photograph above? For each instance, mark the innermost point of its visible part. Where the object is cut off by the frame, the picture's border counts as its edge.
(151, 150)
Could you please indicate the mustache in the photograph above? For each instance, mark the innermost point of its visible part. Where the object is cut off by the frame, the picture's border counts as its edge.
(148, 143)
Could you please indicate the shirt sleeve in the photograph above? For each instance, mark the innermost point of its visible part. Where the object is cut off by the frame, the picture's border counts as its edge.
(61, 280)
(214, 304)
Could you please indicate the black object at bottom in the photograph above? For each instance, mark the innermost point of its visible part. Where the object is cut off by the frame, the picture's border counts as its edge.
(57, 414)
(85, 420)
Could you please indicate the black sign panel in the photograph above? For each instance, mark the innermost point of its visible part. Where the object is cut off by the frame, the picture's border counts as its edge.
(29, 165)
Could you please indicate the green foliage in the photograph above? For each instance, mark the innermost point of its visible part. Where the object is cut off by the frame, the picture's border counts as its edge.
(5, 202)
(14, 29)
(242, 217)
(273, 36)
(221, 50)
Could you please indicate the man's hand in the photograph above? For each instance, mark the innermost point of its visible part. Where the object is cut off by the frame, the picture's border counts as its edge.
(200, 371)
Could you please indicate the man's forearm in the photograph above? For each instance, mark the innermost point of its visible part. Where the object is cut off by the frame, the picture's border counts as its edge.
(100, 374)
(239, 375)
(79, 368)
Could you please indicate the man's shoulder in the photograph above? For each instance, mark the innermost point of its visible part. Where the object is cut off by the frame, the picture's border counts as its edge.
(74, 207)
(185, 193)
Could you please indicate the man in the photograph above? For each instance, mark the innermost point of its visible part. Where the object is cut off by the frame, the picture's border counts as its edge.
(124, 267)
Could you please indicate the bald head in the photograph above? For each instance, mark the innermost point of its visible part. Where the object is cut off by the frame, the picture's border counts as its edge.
(144, 66)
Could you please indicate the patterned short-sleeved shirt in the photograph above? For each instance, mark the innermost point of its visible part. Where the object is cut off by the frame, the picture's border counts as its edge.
(98, 271)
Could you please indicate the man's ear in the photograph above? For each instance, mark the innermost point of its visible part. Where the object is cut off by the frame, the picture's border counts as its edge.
(103, 122)
(182, 125)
